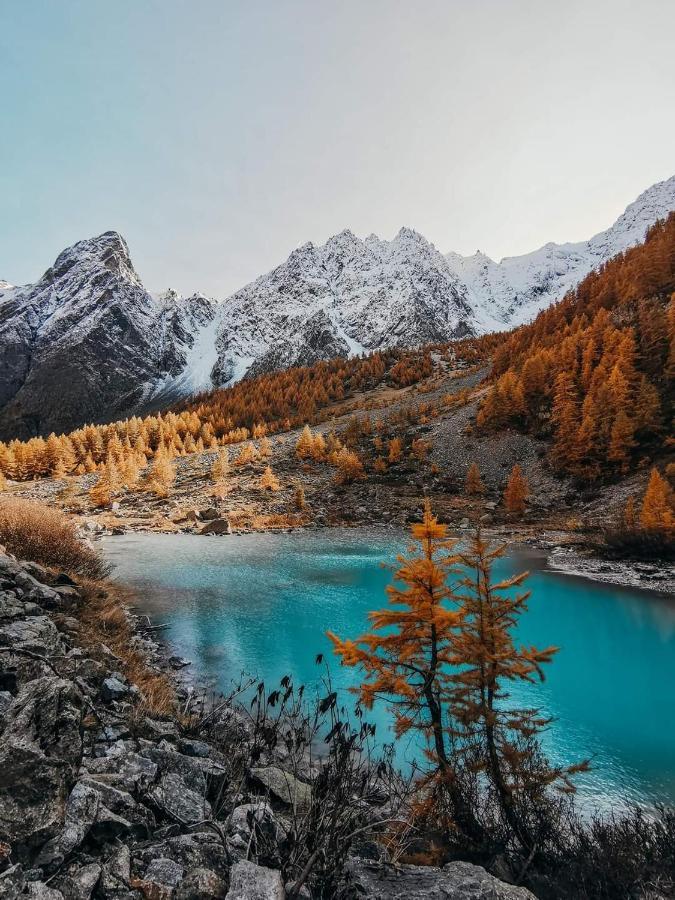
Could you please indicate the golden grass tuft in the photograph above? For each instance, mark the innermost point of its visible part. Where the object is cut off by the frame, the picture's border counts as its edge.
(35, 531)
(104, 621)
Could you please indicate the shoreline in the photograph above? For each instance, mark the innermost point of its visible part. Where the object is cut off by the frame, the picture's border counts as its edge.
(559, 549)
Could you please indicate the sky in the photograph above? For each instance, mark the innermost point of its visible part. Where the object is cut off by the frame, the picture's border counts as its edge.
(217, 135)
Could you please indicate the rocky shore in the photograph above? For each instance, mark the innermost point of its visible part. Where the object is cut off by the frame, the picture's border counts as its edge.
(101, 797)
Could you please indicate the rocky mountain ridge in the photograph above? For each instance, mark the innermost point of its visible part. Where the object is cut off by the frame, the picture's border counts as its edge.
(87, 342)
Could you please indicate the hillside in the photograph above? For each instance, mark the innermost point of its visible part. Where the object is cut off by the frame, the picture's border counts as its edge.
(596, 372)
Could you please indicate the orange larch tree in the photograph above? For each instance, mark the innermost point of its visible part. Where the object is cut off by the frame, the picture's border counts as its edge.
(474, 483)
(406, 657)
(517, 492)
(500, 738)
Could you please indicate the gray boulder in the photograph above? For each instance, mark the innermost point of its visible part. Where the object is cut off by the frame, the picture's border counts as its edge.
(40, 751)
(12, 882)
(458, 880)
(80, 814)
(201, 884)
(116, 873)
(283, 786)
(80, 883)
(113, 689)
(125, 771)
(175, 800)
(251, 882)
(164, 871)
(200, 850)
(38, 890)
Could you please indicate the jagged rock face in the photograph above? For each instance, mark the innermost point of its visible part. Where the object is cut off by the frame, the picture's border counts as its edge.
(87, 341)
(347, 296)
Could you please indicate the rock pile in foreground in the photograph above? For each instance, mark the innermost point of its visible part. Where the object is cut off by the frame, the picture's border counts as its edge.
(98, 799)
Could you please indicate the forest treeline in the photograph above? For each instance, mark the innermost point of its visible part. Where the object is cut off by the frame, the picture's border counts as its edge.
(253, 408)
(595, 373)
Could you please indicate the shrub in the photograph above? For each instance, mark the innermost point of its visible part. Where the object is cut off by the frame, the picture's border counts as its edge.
(33, 531)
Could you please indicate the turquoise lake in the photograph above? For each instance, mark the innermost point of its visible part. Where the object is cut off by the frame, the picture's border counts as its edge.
(261, 604)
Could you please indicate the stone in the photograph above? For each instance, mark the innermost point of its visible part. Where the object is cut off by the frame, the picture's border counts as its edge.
(203, 775)
(251, 882)
(80, 814)
(12, 882)
(164, 871)
(36, 591)
(217, 526)
(456, 880)
(283, 786)
(201, 884)
(40, 751)
(113, 689)
(116, 872)
(38, 890)
(250, 815)
(125, 771)
(175, 800)
(207, 515)
(187, 747)
(79, 884)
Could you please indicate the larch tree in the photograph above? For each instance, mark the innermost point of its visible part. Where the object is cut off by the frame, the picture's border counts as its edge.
(162, 474)
(349, 467)
(305, 445)
(656, 513)
(501, 739)
(221, 465)
(246, 455)
(299, 497)
(406, 659)
(516, 493)
(395, 449)
(269, 481)
(474, 483)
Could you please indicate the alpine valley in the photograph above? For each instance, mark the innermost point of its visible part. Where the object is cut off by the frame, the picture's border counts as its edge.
(87, 342)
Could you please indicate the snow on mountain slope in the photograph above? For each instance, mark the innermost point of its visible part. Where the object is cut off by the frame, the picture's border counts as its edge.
(347, 296)
(87, 342)
(513, 291)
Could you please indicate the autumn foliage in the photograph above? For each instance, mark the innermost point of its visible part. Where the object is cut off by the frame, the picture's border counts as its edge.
(596, 371)
(442, 655)
(647, 528)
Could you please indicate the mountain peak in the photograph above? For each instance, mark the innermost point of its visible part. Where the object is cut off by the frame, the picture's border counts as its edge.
(108, 250)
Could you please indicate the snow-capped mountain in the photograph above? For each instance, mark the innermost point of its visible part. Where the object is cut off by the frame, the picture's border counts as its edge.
(87, 342)
(347, 296)
(512, 292)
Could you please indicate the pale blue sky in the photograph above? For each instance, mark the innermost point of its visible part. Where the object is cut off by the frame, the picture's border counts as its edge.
(217, 135)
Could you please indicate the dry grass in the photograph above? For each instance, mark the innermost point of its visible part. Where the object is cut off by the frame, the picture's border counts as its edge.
(104, 620)
(34, 531)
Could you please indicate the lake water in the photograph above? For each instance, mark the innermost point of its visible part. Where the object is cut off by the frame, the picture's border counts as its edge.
(262, 603)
